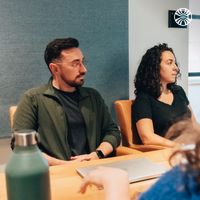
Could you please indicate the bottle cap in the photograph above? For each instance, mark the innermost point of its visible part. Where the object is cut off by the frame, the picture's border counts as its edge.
(25, 137)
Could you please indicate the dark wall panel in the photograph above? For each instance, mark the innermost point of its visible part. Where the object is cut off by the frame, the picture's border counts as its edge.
(27, 26)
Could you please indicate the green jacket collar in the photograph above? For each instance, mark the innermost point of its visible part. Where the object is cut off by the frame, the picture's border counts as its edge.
(50, 91)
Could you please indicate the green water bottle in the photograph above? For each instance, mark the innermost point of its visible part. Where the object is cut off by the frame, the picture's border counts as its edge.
(27, 172)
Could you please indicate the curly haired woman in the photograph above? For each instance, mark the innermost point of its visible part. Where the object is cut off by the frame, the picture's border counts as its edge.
(159, 102)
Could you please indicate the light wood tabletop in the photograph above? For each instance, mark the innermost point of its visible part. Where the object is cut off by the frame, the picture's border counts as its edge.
(65, 181)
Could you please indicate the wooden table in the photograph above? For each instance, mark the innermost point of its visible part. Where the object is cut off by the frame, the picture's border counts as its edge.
(65, 181)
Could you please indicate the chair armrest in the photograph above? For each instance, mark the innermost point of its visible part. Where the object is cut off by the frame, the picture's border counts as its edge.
(146, 147)
(121, 150)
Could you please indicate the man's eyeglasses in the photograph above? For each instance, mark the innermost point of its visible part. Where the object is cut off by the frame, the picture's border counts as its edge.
(74, 64)
(78, 64)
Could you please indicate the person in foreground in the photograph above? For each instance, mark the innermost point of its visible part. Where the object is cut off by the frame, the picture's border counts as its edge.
(73, 122)
(159, 100)
(114, 181)
(182, 182)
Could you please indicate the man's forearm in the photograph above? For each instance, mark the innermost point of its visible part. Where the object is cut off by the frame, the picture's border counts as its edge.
(54, 161)
(106, 148)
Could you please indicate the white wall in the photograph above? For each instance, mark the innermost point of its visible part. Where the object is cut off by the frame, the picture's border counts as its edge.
(148, 25)
(194, 59)
(194, 37)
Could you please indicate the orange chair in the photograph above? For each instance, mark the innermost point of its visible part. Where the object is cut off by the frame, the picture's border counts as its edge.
(123, 112)
(12, 110)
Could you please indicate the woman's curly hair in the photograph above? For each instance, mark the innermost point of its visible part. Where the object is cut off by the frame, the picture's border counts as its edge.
(147, 78)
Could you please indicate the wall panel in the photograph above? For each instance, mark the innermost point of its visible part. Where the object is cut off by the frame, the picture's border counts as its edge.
(27, 26)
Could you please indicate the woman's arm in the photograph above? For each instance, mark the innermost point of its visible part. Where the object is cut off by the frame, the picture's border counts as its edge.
(146, 132)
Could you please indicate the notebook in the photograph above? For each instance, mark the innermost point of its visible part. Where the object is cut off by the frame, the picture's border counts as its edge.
(138, 169)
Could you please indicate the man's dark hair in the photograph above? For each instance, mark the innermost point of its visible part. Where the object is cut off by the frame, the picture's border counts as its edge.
(147, 78)
(54, 48)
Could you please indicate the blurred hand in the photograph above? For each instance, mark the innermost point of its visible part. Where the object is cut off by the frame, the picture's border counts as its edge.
(113, 180)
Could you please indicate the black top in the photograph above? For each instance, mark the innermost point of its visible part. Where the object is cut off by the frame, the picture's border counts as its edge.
(163, 115)
(76, 126)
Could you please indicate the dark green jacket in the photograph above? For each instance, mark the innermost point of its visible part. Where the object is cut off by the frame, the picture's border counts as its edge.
(41, 110)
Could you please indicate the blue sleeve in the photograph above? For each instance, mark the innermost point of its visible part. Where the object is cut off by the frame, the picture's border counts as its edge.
(169, 186)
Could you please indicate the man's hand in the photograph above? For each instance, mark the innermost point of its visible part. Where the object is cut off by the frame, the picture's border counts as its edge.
(105, 147)
(54, 161)
(85, 157)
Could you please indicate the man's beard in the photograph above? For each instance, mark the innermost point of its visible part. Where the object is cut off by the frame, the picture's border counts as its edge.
(75, 84)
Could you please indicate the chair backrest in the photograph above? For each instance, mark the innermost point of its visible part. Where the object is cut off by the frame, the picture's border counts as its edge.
(12, 110)
(123, 112)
